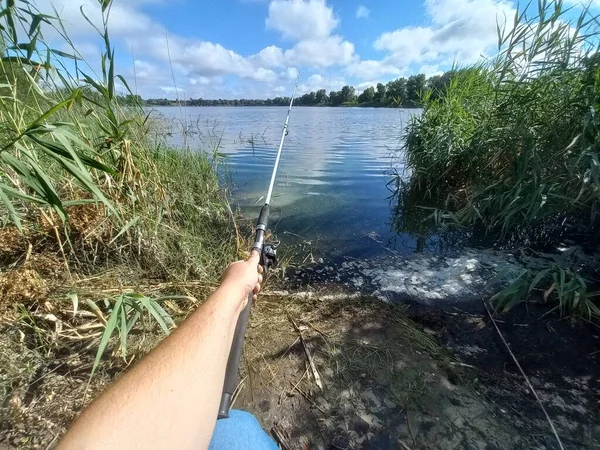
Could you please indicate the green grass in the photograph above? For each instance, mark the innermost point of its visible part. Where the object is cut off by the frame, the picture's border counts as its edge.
(91, 179)
(512, 143)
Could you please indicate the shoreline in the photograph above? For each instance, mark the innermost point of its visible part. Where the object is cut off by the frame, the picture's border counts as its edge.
(383, 366)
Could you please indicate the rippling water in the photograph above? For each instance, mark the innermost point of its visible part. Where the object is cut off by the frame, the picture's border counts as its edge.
(331, 187)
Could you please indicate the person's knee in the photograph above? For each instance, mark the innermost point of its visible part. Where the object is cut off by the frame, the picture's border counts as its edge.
(243, 417)
(240, 430)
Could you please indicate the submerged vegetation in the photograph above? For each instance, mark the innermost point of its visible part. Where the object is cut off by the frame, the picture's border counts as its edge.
(511, 147)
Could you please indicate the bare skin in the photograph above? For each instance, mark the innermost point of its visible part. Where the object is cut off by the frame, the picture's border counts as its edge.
(170, 399)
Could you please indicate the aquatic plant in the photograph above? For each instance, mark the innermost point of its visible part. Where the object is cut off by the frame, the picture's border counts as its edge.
(512, 143)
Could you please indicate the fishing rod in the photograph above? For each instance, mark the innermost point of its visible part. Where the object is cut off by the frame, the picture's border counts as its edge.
(268, 259)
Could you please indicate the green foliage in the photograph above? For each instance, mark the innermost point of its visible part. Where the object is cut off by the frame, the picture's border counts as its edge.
(415, 88)
(367, 96)
(512, 143)
(76, 141)
(400, 93)
(44, 142)
(559, 281)
(125, 311)
(380, 95)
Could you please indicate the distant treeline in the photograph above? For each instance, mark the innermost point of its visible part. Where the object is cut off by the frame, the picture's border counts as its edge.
(400, 93)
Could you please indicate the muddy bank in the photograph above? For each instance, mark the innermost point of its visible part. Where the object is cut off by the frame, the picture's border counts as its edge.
(441, 281)
(417, 377)
(399, 373)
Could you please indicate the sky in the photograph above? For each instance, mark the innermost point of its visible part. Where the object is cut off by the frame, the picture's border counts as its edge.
(256, 48)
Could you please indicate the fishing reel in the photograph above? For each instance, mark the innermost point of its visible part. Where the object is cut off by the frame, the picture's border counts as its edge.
(268, 256)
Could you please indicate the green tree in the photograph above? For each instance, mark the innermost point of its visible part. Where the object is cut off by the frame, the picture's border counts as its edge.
(347, 94)
(396, 91)
(367, 95)
(335, 98)
(321, 96)
(380, 94)
(415, 85)
(438, 83)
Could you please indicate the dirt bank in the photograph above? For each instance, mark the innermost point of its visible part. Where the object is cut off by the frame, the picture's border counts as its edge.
(392, 375)
(417, 377)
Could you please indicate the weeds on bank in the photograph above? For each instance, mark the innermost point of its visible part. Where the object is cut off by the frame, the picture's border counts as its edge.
(89, 191)
(512, 144)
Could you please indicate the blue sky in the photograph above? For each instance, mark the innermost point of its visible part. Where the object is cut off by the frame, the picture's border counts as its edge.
(255, 48)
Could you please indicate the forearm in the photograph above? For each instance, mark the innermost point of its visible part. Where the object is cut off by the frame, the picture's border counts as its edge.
(170, 399)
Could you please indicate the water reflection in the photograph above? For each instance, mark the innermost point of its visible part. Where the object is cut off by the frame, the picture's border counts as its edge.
(331, 190)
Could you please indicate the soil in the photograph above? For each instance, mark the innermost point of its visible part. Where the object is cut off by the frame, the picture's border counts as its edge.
(419, 377)
(398, 375)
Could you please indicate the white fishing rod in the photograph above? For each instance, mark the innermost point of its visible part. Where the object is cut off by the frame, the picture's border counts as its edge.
(268, 259)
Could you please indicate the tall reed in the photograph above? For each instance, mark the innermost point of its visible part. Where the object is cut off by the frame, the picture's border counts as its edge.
(512, 143)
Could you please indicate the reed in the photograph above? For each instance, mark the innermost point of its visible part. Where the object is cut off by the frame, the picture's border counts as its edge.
(512, 143)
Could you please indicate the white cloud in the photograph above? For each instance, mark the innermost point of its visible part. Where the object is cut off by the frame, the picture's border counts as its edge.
(200, 80)
(362, 12)
(360, 87)
(370, 69)
(270, 56)
(301, 19)
(430, 70)
(125, 20)
(461, 30)
(458, 30)
(317, 81)
(325, 52)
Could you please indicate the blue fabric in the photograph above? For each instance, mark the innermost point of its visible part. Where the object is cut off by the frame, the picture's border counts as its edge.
(240, 431)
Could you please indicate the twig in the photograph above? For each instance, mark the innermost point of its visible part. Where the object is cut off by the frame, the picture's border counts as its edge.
(299, 381)
(29, 250)
(281, 437)
(288, 349)
(52, 442)
(60, 244)
(410, 430)
(404, 445)
(236, 393)
(308, 356)
(308, 398)
(525, 376)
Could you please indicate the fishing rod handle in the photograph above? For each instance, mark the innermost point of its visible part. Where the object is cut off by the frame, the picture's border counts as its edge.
(233, 363)
(237, 346)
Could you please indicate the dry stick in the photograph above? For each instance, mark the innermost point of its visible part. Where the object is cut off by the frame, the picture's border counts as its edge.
(404, 445)
(238, 390)
(410, 430)
(299, 381)
(308, 398)
(281, 437)
(60, 244)
(308, 356)
(525, 376)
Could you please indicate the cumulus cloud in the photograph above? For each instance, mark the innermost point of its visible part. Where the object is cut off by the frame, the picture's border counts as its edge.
(318, 81)
(462, 30)
(301, 19)
(271, 56)
(370, 69)
(362, 12)
(320, 53)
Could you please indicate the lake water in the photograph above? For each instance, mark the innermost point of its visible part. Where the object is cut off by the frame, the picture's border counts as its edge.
(331, 195)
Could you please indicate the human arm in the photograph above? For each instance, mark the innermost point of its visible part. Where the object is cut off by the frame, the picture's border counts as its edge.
(170, 399)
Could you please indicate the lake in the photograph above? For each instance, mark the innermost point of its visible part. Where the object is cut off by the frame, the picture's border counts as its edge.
(331, 197)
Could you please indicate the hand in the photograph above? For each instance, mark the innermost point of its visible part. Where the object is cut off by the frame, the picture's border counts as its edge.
(244, 277)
